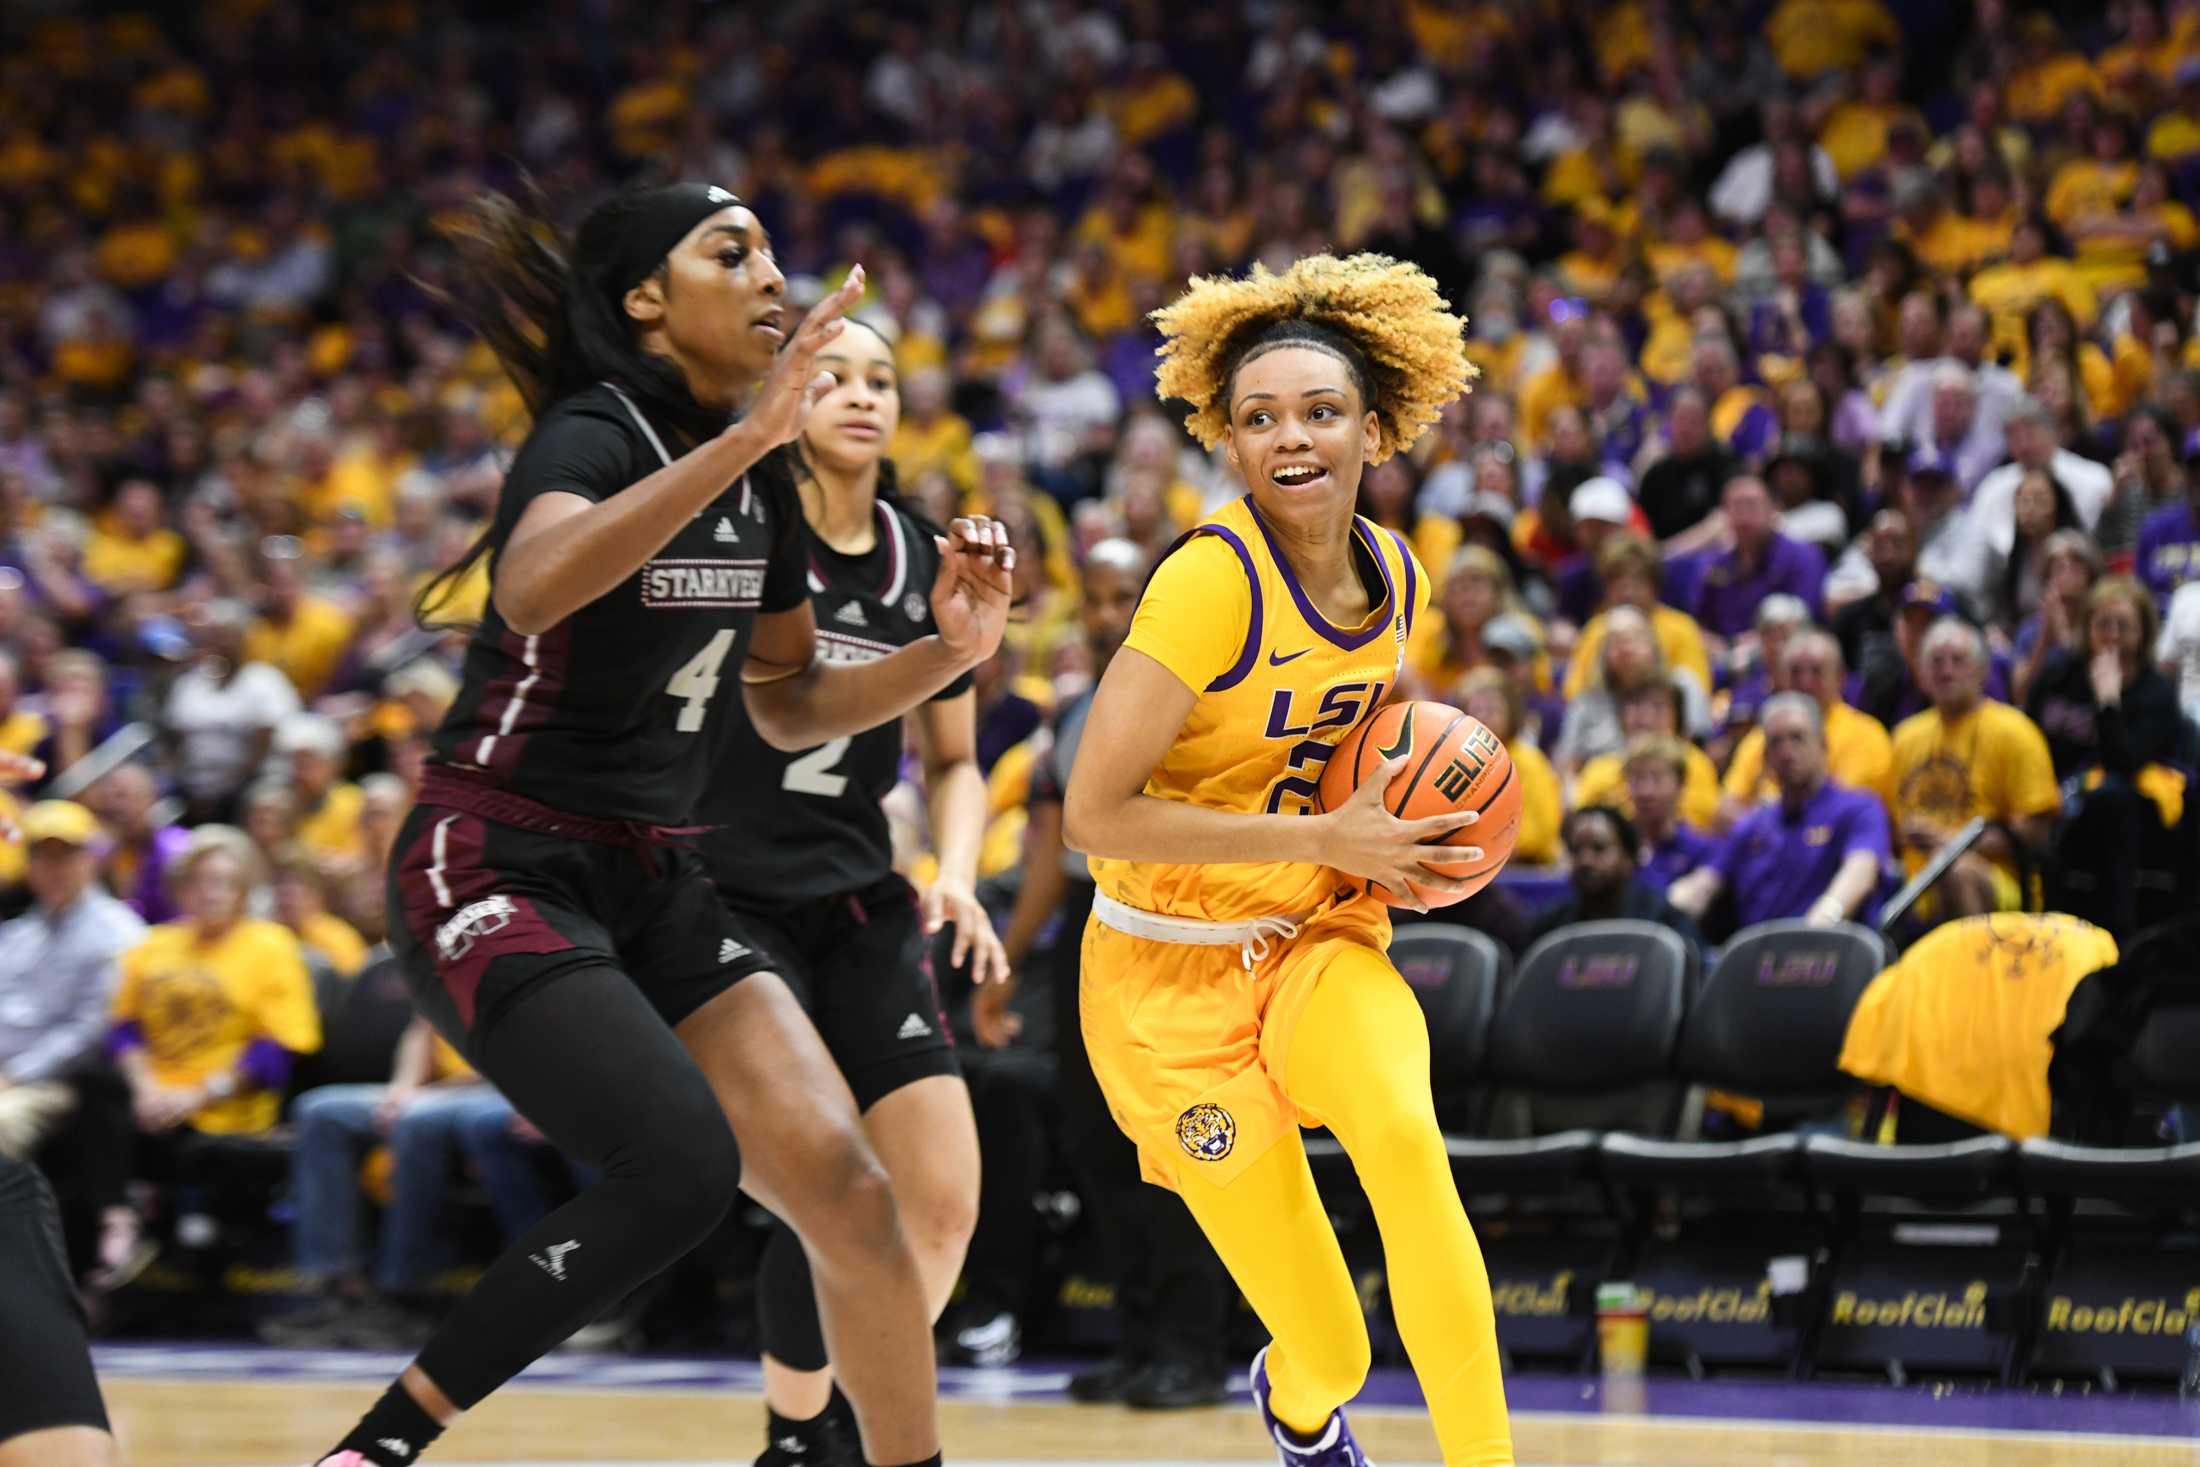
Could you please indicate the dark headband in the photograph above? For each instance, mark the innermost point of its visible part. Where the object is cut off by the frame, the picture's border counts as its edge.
(649, 223)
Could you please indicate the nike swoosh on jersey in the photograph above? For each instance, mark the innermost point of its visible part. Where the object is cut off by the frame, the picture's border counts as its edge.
(1276, 659)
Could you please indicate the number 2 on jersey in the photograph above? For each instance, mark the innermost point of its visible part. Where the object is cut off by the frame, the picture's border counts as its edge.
(697, 681)
(812, 774)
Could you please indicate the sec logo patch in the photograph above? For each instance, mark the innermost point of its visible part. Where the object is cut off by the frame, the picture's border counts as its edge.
(1206, 1132)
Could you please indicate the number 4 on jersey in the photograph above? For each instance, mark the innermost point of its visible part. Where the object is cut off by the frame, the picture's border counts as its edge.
(697, 681)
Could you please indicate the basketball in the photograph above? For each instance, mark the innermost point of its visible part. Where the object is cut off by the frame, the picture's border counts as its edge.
(1453, 762)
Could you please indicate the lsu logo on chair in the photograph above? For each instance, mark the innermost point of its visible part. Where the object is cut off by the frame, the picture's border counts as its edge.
(1206, 1132)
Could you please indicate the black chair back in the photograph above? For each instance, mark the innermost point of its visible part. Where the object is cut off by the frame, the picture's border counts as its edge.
(1595, 1007)
(1771, 1018)
(1456, 973)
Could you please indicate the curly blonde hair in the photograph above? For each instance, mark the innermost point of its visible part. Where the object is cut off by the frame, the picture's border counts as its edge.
(1383, 317)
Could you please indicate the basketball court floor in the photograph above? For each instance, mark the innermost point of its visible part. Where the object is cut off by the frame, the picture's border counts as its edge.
(209, 1406)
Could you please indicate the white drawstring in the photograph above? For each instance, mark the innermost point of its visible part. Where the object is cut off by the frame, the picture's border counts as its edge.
(1255, 946)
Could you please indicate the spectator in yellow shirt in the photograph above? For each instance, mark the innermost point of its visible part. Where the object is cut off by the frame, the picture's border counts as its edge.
(1151, 98)
(21, 729)
(1592, 266)
(2112, 247)
(325, 806)
(1810, 38)
(213, 1007)
(1687, 241)
(129, 550)
(1629, 567)
(1487, 694)
(1859, 753)
(2008, 290)
(1855, 132)
(2050, 76)
(932, 436)
(2174, 135)
(301, 636)
(1562, 383)
(1653, 710)
(1966, 756)
(2098, 184)
(301, 904)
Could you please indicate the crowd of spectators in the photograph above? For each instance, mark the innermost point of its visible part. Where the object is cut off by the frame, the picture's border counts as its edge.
(1830, 479)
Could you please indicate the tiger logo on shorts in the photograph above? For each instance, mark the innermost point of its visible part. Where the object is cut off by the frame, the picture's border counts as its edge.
(1206, 1132)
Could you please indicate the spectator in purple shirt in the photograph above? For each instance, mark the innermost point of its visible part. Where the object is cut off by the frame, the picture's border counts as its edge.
(1762, 562)
(2169, 540)
(1817, 853)
(127, 801)
(1655, 769)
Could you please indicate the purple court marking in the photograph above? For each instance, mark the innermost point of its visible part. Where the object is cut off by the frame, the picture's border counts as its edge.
(1732, 1400)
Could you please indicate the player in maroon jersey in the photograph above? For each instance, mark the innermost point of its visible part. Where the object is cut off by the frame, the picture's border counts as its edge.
(800, 846)
(550, 915)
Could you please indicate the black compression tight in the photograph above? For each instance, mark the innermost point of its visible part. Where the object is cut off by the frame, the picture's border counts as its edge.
(587, 1059)
(786, 1303)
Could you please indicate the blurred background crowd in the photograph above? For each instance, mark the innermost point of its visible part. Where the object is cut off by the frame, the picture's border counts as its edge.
(1834, 347)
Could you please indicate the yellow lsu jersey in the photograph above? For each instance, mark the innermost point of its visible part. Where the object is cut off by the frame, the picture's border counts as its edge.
(1278, 687)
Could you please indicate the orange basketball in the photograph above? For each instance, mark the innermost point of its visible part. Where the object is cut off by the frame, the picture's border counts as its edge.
(1453, 762)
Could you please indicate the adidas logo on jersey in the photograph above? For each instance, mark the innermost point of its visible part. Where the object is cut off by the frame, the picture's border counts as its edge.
(852, 615)
(730, 951)
(552, 1259)
(396, 1446)
(913, 1027)
(725, 534)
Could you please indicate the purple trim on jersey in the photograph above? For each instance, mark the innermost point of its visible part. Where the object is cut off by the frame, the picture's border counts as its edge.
(1251, 653)
(517, 702)
(1413, 578)
(124, 1037)
(1350, 641)
(265, 1064)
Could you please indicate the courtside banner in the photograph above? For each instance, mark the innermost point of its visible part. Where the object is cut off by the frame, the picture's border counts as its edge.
(1544, 1290)
(2124, 1312)
(1714, 1304)
(1921, 1308)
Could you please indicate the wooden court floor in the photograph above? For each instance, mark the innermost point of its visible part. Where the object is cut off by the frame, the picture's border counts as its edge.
(244, 1423)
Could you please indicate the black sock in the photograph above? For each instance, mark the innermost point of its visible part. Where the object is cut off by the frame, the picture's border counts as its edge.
(840, 1408)
(931, 1461)
(393, 1433)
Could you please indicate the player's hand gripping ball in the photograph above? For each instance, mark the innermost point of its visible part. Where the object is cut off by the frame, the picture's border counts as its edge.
(1453, 763)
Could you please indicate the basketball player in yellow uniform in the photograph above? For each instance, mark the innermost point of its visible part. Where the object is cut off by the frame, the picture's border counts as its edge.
(1236, 983)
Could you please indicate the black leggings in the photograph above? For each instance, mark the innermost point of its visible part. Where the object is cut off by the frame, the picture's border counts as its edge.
(587, 1058)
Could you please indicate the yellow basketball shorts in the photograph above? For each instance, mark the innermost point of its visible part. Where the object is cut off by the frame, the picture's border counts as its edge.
(1190, 1048)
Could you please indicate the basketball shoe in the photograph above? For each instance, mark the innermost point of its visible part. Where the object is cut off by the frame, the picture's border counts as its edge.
(1333, 1446)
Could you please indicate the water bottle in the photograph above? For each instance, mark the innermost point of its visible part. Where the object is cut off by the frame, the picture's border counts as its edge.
(2188, 1385)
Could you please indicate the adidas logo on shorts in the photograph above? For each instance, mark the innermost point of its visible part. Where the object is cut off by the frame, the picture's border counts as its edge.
(552, 1259)
(852, 615)
(913, 1027)
(396, 1446)
(730, 951)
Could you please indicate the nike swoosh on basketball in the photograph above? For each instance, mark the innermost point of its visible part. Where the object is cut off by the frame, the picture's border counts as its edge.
(1404, 744)
(1277, 659)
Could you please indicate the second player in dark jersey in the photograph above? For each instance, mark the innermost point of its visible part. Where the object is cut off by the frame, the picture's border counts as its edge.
(801, 848)
(810, 823)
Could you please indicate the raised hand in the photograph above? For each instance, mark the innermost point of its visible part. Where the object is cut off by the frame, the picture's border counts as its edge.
(782, 403)
(975, 584)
